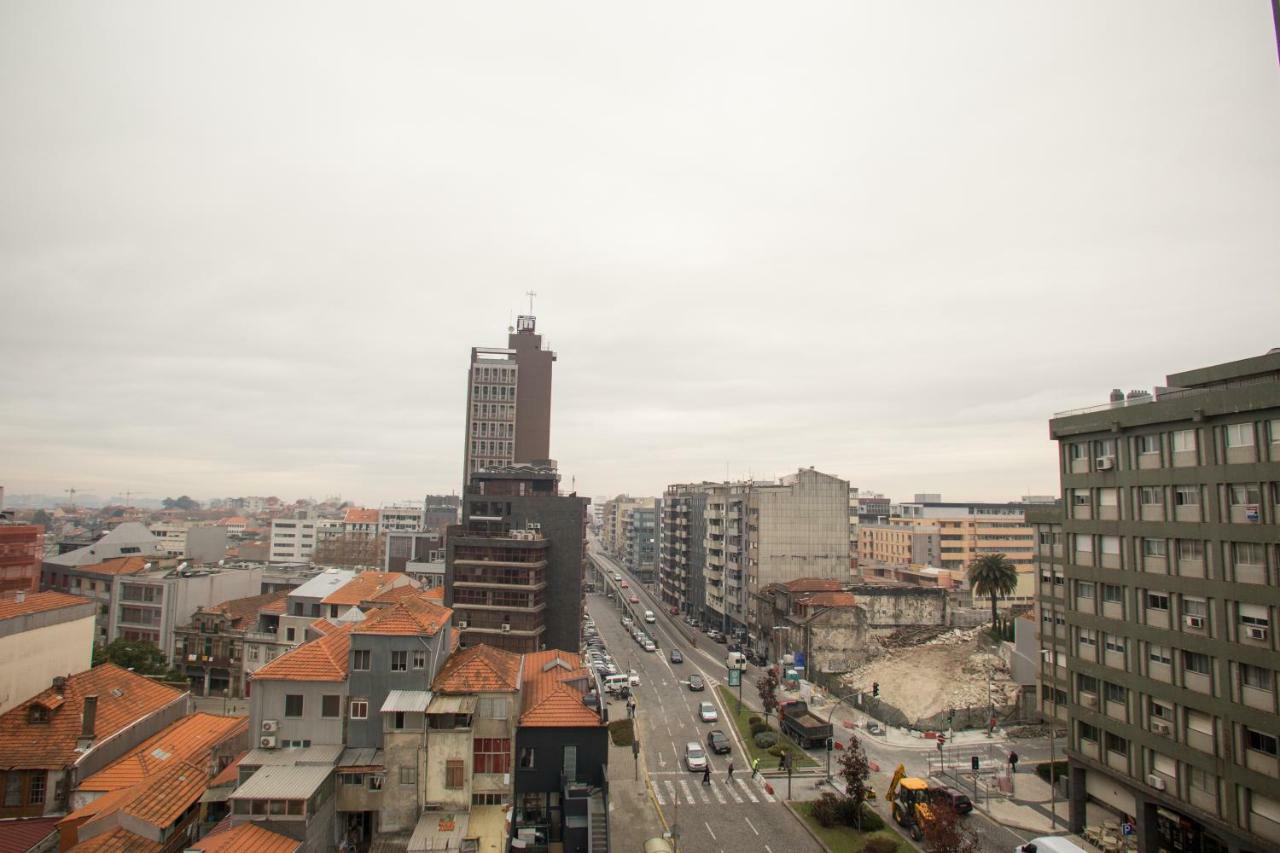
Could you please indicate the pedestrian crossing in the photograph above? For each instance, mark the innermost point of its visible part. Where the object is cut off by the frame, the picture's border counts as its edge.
(681, 790)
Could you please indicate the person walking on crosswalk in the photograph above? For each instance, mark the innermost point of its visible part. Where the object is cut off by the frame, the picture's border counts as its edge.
(730, 769)
(706, 774)
(755, 767)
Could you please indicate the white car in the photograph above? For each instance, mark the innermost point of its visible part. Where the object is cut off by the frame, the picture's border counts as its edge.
(617, 577)
(694, 757)
(634, 677)
(649, 646)
(707, 712)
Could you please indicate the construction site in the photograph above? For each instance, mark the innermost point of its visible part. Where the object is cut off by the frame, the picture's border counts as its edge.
(927, 673)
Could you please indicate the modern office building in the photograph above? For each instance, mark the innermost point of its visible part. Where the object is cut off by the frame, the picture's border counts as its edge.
(509, 401)
(639, 535)
(514, 567)
(1159, 592)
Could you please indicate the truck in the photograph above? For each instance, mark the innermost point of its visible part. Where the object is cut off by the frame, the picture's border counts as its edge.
(802, 726)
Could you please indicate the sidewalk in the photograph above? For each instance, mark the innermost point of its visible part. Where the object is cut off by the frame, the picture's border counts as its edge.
(633, 815)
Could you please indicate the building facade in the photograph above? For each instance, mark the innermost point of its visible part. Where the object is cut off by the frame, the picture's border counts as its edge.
(1168, 550)
(42, 635)
(682, 552)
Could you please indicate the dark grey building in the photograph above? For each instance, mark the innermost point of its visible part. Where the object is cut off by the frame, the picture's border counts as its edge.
(641, 547)
(514, 567)
(682, 554)
(1159, 595)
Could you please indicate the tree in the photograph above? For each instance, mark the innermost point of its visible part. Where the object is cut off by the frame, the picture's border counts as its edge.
(42, 518)
(993, 575)
(183, 503)
(767, 686)
(855, 771)
(944, 833)
(141, 656)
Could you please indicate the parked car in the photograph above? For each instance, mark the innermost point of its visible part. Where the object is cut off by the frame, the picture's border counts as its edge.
(957, 799)
(694, 758)
(695, 683)
(707, 712)
(676, 657)
(718, 742)
(617, 576)
(633, 598)
(634, 677)
(650, 646)
(720, 638)
(733, 647)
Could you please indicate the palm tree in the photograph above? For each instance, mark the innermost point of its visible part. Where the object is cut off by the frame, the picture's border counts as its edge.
(993, 575)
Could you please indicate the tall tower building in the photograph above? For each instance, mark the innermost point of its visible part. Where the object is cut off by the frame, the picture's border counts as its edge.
(509, 402)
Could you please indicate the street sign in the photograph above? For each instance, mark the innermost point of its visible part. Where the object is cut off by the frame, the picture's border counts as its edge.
(735, 677)
(635, 746)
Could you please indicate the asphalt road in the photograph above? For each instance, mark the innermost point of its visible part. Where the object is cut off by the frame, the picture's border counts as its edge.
(702, 815)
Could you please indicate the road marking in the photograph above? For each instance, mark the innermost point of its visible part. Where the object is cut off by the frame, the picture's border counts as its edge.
(688, 795)
(767, 796)
(733, 793)
(752, 825)
(708, 826)
(671, 789)
(715, 789)
(747, 791)
(702, 792)
(657, 795)
(768, 849)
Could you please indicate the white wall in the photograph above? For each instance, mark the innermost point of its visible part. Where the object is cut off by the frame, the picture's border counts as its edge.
(30, 659)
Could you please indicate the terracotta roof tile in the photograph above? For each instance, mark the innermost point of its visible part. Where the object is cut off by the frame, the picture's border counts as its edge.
(118, 840)
(123, 699)
(360, 515)
(325, 659)
(37, 602)
(395, 593)
(813, 585)
(246, 838)
(243, 612)
(364, 587)
(407, 616)
(549, 697)
(115, 566)
(172, 792)
(479, 669)
(192, 738)
(435, 593)
(276, 606)
(22, 835)
(829, 599)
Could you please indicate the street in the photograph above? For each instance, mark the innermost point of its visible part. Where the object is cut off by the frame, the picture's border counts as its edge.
(741, 816)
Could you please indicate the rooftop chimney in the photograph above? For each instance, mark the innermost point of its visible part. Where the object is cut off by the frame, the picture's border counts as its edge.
(90, 716)
(60, 684)
(20, 596)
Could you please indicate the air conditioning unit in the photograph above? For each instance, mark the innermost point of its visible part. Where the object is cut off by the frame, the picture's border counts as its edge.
(1089, 700)
(462, 624)
(506, 629)
(267, 741)
(1105, 463)
(270, 726)
(1256, 633)
(1194, 621)
(1161, 727)
(1156, 782)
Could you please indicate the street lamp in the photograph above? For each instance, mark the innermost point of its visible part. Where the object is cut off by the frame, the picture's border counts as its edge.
(830, 715)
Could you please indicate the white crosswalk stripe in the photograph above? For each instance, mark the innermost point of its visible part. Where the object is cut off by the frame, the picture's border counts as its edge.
(688, 795)
(671, 791)
(657, 795)
(733, 794)
(702, 792)
(746, 790)
(715, 789)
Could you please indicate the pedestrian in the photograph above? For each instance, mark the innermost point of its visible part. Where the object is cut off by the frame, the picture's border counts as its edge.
(706, 774)
(755, 767)
(782, 761)
(1013, 762)
(730, 769)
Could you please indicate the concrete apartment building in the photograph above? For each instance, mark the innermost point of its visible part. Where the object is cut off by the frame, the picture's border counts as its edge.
(21, 552)
(42, 635)
(401, 519)
(1160, 580)
(640, 541)
(514, 568)
(509, 401)
(682, 552)
(293, 540)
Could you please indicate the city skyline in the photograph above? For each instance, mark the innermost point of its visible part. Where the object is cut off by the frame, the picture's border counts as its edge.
(885, 243)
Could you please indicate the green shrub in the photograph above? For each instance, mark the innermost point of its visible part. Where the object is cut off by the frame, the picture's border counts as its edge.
(764, 740)
(753, 719)
(871, 822)
(757, 728)
(881, 844)
(826, 810)
(777, 750)
(622, 732)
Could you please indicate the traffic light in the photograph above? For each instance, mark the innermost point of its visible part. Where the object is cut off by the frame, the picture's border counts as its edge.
(875, 689)
(830, 743)
(942, 739)
(973, 762)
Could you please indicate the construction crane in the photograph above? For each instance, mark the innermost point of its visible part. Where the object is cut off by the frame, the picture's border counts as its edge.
(71, 495)
(909, 797)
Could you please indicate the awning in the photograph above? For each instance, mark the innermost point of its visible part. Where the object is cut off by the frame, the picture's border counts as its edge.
(362, 760)
(407, 700)
(453, 705)
(282, 783)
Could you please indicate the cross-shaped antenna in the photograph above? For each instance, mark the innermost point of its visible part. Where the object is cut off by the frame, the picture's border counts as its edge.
(530, 294)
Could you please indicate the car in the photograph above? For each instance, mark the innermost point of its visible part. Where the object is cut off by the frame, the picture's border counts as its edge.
(610, 668)
(694, 758)
(633, 598)
(650, 646)
(617, 576)
(733, 647)
(676, 657)
(707, 712)
(695, 683)
(720, 638)
(624, 585)
(626, 622)
(634, 678)
(958, 800)
(674, 611)
(718, 742)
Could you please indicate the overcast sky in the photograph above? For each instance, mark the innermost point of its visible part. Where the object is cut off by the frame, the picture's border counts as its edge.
(245, 247)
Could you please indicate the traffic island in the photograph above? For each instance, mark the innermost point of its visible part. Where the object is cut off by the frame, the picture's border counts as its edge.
(769, 759)
(847, 839)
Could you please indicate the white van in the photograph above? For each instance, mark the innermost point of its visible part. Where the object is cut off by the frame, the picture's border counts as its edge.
(649, 617)
(1049, 844)
(617, 683)
(735, 660)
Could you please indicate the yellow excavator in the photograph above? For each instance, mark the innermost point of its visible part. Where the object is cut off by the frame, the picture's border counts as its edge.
(909, 796)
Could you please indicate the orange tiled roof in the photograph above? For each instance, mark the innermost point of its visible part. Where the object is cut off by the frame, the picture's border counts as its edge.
(232, 519)
(829, 599)
(118, 840)
(435, 593)
(395, 593)
(123, 699)
(406, 617)
(323, 626)
(228, 774)
(325, 659)
(192, 739)
(278, 606)
(360, 515)
(549, 700)
(813, 585)
(246, 838)
(363, 587)
(243, 612)
(479, 669)
(114, 566)
(36, 602)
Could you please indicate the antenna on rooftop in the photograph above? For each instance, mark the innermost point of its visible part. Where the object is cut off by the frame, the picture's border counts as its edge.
(530, 294)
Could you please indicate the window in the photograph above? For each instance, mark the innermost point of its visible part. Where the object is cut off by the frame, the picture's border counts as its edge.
(360, 660)
(1115, 693)
(1161, 711)
(1112, 593)
(1117, 744)
(1088, 637)
(1245, 493)
(359, 709)
(1084, 589)
(1190, 549)
(453, 774)
(1088, 732)
(375, 781)
(399, 661)
(526, 758)
(1115, 644)
(1080, 497)
(1086, 683)
(1151, 495)
(409, 775)
(1249, 553)
(419, 658)
(1159, 654)
(331, 705)
(491, 755)
(1079, 450)
(1255, 615)
(1105, 448)
(35, 788)
(293, 705)
(1255, 676)
(1260, 741)
(1111, 546)
(1186, 495)
(290, 634)
(1084, 543)
(1184, 441)
(1196, 662)
(1148, 444)
(1239, 435)
(1195, 607)
(1157, 601)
